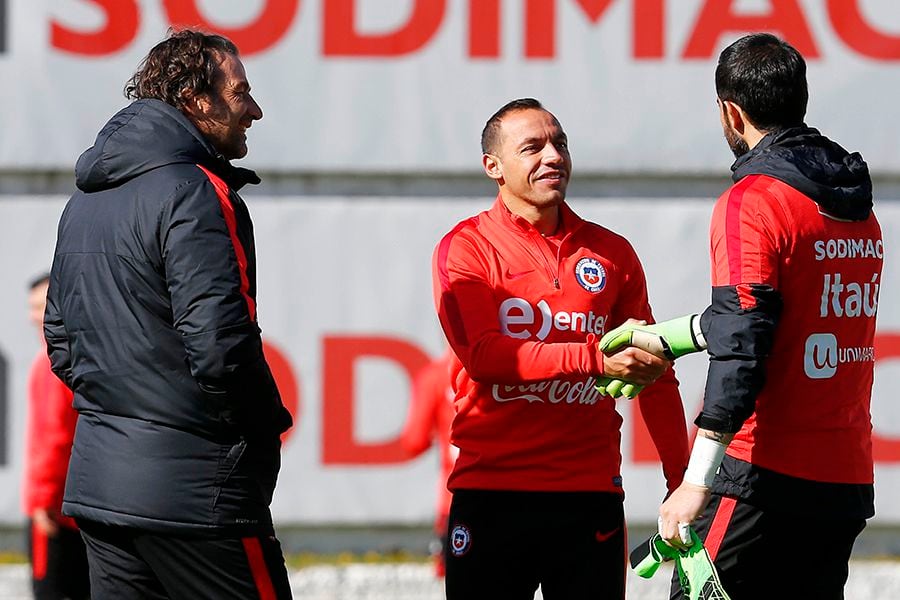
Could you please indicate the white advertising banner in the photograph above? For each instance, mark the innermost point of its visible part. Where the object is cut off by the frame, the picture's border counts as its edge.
(373, 86)
(347, 314)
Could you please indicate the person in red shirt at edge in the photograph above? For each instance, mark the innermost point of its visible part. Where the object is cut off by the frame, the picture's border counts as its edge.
(428, 421)
(59, 567)
(780, 480)
(523, 291)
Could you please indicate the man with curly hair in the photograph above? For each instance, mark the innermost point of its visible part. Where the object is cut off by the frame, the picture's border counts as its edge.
(152, 321)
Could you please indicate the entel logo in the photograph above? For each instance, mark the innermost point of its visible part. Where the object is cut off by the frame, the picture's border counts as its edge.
(821, 357)
(517, 318)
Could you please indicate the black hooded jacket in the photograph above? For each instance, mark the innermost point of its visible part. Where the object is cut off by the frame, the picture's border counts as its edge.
(151, 320)
(741, 338)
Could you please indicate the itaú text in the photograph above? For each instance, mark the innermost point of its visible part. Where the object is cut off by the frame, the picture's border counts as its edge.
(849, 299)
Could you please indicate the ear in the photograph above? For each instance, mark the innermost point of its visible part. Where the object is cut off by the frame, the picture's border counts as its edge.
(734, 116)
(492, 166)
(195, 105)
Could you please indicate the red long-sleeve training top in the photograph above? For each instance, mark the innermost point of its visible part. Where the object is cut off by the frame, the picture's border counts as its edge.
(50, 429)
(523, 314)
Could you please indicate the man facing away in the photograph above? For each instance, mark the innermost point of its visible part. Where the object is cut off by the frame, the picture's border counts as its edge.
(152, 321)
(59, 567)
(780, 480)
(523, 292)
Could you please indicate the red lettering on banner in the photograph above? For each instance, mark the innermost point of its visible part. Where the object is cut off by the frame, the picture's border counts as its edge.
(484, 28)
(286, 381)
(540, 24)
(853, 29)
(122, 18)
(649, 27)
(340, 37)
(540, 28)
(718, 17)
(886, 449)
(263, 33)
(339, 443)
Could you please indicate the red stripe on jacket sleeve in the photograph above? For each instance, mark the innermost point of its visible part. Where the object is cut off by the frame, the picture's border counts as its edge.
(258, 568)
(734, 233)
(738, 240)
(231, 222)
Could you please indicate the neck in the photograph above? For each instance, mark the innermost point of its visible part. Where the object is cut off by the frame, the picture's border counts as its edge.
(752, 136)
(543, 218)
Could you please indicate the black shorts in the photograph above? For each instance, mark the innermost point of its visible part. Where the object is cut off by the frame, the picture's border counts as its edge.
(504, 544)
(132, 564)
(59, 567)
(765, 554)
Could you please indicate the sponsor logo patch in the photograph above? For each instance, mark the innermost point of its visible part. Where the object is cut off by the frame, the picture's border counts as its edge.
(590, 274)
(460, 540)
(823, 355)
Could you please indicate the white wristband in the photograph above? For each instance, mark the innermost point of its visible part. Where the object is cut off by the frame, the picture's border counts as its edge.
(706, 456)
(698, 333)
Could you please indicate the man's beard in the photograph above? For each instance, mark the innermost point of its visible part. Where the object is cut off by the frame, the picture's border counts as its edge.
(738, 146)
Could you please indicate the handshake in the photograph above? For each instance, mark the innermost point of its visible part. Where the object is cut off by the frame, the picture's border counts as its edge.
(668, 340)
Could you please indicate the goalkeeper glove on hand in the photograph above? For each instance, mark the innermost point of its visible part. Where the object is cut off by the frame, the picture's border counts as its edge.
(668, 339)
(608, 386)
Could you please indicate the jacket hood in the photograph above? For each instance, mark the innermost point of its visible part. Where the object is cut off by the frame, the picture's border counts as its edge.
(809, 162)
(146, 135)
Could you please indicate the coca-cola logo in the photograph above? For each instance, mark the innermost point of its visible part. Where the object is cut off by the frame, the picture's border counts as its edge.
(554, 391)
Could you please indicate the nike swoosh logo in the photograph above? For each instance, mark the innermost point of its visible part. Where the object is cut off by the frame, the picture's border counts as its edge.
(511, 275)
(602, 537)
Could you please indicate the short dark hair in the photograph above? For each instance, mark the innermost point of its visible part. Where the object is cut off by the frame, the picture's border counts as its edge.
(39, 280)
(766, 77)
(490, 135)
(186, 61)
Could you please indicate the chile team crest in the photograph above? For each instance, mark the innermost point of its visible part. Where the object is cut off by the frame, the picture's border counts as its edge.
(590, 274)
(460, 540)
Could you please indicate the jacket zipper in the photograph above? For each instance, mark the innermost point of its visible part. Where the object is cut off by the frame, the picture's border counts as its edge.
(542, 245)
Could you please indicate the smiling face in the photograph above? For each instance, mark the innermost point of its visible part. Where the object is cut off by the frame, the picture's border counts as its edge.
(531, 161)
(225, 113)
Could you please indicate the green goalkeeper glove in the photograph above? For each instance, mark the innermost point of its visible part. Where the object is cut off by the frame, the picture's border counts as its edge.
(669, 339)
(696, 573)
(608, 386)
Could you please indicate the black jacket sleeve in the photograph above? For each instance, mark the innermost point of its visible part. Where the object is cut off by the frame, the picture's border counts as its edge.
(739, 341)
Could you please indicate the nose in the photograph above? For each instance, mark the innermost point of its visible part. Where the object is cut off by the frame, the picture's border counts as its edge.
(254, 112)
(553, 155)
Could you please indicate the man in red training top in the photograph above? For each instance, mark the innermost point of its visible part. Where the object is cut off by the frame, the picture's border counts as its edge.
(59, 567)
(524, 290)
(429, 418)
(780, 479)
